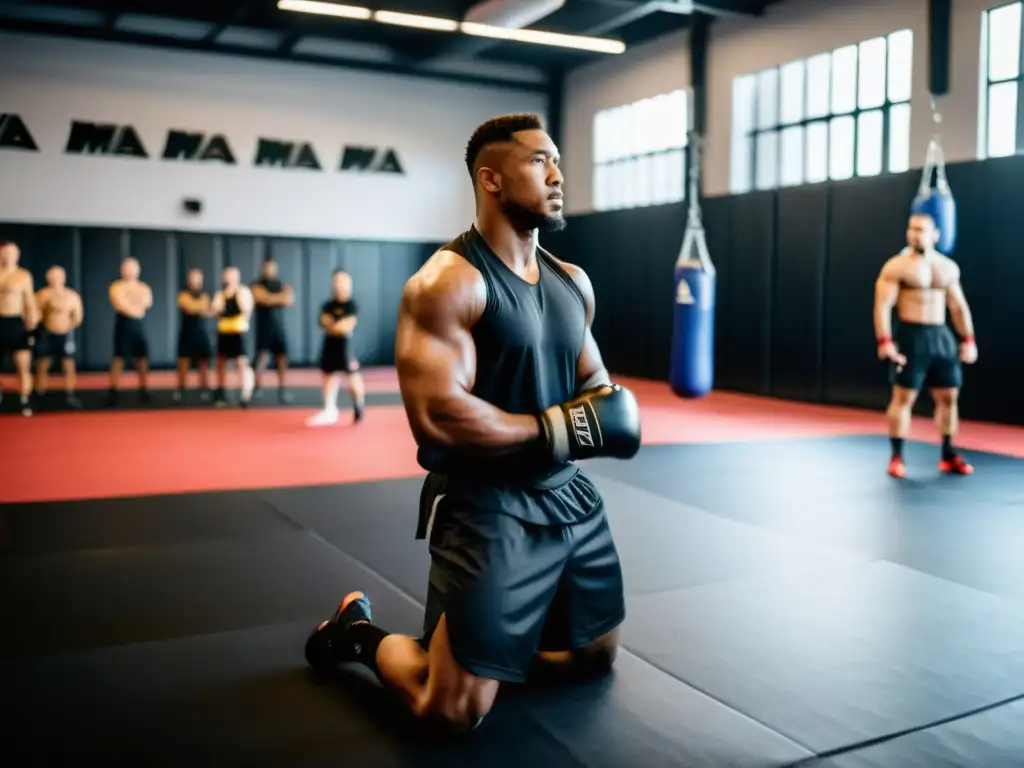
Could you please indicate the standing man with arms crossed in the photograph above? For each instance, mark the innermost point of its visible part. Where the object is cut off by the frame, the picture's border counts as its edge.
(338, 318)
(131, 299)
(194, 345)
(921, 283)
(19, 316)
(233, 306)
(61, 310)
(271, 297)
(505, 389)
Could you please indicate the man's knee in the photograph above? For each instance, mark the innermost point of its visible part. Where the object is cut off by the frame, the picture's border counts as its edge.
(601, 653)
(903, 397)
(945, 397)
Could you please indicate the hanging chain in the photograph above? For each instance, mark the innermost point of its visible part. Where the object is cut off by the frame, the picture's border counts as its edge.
(696, 150)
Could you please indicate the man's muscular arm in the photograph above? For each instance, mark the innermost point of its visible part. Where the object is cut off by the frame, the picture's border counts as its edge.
(959, 311)
(887, 293)
(147, 297)
(590, 369)
(436, 362)
(77, 310)
(30, 310)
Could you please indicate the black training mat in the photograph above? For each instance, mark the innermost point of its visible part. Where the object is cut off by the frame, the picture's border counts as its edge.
(993, 738)
(854, 651)
(788, 605)
(129, 399)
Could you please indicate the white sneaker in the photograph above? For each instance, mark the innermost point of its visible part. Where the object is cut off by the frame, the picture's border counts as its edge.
(323, 419)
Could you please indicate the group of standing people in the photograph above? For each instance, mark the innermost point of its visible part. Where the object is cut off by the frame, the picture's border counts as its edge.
(42, 326)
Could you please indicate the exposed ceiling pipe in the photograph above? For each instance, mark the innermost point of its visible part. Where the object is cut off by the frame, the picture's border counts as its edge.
(512, 14)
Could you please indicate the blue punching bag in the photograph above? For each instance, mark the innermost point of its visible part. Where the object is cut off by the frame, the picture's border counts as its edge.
(692, 370)
(692, 373)
(937, 201)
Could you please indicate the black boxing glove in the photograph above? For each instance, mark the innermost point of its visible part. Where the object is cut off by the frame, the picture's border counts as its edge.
(603, 421)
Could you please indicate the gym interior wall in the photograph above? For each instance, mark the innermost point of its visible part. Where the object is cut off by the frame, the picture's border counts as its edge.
(91, 258)
(796, 272)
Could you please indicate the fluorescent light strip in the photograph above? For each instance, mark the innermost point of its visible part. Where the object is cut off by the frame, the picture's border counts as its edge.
(325, 9)
(536, 37)
(597, 44)
(416, 21)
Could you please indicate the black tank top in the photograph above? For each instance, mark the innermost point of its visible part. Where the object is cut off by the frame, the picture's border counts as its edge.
(231, 307)
(528, 342)
(191, 323)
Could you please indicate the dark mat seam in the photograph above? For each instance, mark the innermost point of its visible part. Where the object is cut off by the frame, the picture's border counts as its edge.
(909, 731)
(811, 752)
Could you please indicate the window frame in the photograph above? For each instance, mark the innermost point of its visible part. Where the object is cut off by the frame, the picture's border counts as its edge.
(987, 84)
(750, 135)
(603, 165)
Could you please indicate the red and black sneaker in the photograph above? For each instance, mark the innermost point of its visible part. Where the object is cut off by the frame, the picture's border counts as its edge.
(330, 643)
(897, 468)
(955, 465)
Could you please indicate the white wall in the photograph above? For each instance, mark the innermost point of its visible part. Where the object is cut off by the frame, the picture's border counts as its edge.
(793, 29)
(50, 82)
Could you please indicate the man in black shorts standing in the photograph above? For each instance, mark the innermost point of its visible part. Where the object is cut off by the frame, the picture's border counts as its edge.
(271, 297)
(131, 299)
(338, 318)
(194, 347)
(233, 305)
(505, 389)
(60, 308)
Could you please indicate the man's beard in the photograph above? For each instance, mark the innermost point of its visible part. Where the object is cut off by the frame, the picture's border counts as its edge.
(919, 249)
(523, 220)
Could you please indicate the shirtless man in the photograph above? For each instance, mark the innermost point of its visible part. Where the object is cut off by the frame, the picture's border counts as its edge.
(233, 306)
(272, 297)
(61, 310)
(19, 316)
(921, 284)
(131, 299)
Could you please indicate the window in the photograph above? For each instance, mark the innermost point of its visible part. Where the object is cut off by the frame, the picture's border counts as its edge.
(833, 116)
(1002, 112)
(640, 152)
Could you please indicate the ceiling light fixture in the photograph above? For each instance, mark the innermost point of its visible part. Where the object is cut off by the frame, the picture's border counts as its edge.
(533, 36)
(579, 42)
(416, 21)
(325, 9)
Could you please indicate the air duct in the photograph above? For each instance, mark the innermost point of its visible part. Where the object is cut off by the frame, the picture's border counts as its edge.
(512, 14)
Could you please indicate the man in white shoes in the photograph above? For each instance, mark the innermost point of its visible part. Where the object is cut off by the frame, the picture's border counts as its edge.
(338, 318)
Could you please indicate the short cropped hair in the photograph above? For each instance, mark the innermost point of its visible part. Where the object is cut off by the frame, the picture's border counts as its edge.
(496, 130)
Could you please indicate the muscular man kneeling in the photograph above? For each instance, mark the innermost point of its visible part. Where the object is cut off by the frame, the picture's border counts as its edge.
(504, 388)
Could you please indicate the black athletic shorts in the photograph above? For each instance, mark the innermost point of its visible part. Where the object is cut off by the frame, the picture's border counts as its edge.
(194, 345)
(933, 357)
(130, 340)
(231, 345)
(271, 338)
(336, 355)
(54, 346)
(510, 588)
(13, 336)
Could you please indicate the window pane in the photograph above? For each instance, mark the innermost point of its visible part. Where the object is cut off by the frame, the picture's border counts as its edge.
(600, 148)
(819, 84)
(871, 73)
(642, 181)
(744, 99)
(677, 107)
(1002, 119)
(792, 102)
(646, 126)
(792, 171)
(840, 148)
(601, 185)
(740, 171)
(899, 138)
(768, 160)
(844, 80)
(660, 178)
(676, 180)
(869, 143)
(768, 98)
(901, 64)
(817, 152)
(1004, 42)
(613, 192)
(613, 138)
